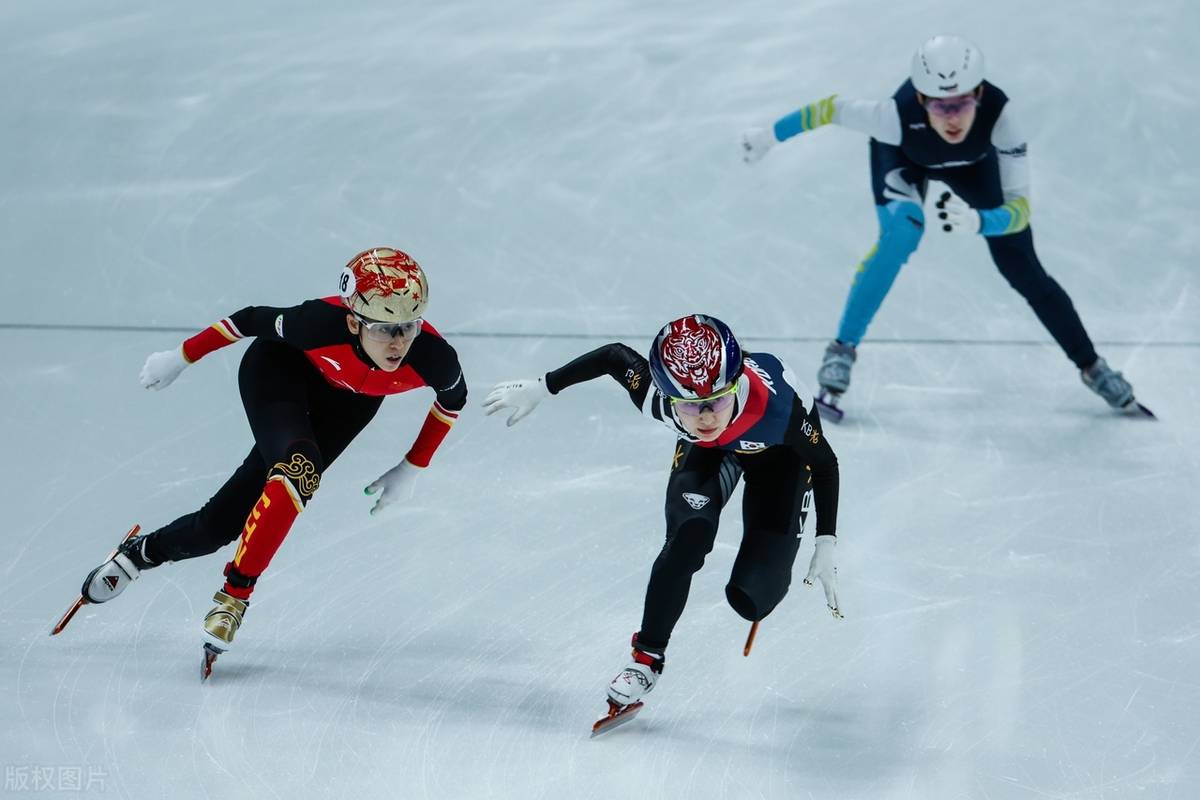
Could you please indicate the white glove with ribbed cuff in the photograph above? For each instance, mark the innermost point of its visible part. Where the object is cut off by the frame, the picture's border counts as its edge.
(756, 142)
(397, 485)
(522, 396)
(162, 368)
(955, 216)
(823, 569)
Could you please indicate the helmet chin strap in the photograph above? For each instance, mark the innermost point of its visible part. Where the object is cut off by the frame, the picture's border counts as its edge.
(360, 349)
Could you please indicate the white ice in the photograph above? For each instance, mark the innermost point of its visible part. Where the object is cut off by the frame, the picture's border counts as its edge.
(1018, 565)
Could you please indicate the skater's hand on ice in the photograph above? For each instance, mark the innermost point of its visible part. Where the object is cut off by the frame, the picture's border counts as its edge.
(521, 396)
(397, 485)
(956, 216)
(756, 142)
(823, 569)
(162, 368)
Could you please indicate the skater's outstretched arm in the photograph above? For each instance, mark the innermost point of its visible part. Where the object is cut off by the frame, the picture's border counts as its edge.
(879, 119)
(622, 363)
(304, 326)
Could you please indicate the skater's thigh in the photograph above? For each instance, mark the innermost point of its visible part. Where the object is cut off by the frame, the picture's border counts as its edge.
(765, 559)
(772, 512)
(273, 380)
(762, 572)
(230, 506)
(338, 416)
(894, 176)
(774, 501)
(702, 478)
(978, 184)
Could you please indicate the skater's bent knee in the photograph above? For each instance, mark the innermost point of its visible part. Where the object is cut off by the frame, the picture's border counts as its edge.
(754, 602)
(689, 544)
(901, 224)
(301, 466)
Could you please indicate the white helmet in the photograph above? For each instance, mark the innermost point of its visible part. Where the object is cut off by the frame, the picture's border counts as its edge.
(945, 66)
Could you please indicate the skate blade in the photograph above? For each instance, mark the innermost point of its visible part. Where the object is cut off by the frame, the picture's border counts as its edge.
(616, 717)
(79, 603)
(1134, 408)
(827, 404)
(82, 601)
(750, 638)
(210, 658)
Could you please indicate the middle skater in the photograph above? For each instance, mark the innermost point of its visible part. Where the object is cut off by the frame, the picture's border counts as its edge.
(736, 415)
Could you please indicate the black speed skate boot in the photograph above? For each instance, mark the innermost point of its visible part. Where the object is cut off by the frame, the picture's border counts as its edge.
(834, 378)
(123, 568)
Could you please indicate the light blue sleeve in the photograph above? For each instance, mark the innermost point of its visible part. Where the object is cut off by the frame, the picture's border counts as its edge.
(1012, 217)
(804, 119)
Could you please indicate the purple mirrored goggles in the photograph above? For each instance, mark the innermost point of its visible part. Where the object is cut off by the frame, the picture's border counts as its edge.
(951, 106)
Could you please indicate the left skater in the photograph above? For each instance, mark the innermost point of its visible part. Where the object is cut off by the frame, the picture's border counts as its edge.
(310, 382)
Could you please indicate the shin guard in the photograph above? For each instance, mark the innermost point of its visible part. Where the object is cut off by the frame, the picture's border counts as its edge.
(265, 529)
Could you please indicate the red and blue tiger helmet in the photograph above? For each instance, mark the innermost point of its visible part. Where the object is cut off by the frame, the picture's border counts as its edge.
(694, 357)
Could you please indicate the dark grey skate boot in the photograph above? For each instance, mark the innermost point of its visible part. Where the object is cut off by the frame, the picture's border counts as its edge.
(1108, 383)
(834, 378)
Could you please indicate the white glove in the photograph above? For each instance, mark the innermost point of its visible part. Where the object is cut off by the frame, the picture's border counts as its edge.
(162, 368)
(522, 396)
(397, 485)
(956, 215)
(756, 142)
(823, 569)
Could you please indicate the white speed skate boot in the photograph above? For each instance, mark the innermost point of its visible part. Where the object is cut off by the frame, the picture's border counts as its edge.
(638, 677)
(632, 683)
(108, 580)
(121, 569)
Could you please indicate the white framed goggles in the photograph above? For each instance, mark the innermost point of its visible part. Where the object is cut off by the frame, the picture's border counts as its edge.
(387, 331)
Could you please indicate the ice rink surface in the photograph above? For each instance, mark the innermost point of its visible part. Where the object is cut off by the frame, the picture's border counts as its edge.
(1018, 566)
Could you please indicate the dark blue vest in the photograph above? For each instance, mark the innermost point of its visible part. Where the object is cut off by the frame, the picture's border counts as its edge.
(923, 146)
(764, 423)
